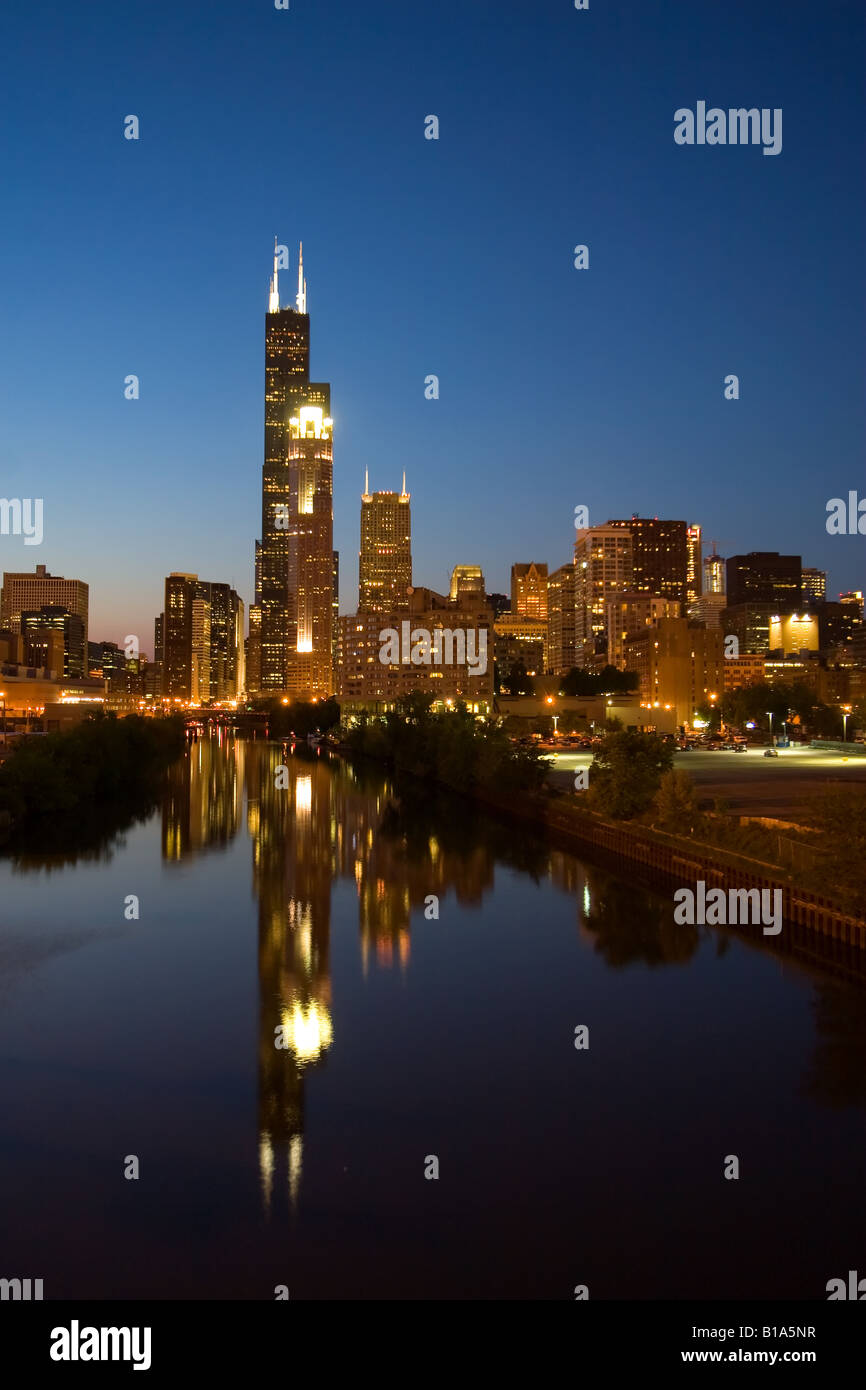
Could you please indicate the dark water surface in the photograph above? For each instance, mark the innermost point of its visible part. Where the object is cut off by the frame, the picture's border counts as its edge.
(299, 913)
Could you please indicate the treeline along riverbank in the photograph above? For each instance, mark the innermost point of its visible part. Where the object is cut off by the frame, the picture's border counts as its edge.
(86, 781)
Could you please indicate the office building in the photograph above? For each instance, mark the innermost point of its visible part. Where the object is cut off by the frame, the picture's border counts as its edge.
(463, 670)
(31, 592)
(385, 558)
(294, 556)
(559, 658)
(529, 591)
(661, 557)
(814, 586)
(37, 627)
(679, 666)
(765, 577)
(203, 650)
(602, 570)
(628, 615)
(467, 585)
(694, 572)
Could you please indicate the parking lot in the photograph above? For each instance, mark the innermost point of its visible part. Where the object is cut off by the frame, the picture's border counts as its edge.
(748, 782)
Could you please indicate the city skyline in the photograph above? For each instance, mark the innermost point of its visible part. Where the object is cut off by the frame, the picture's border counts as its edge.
(702, 262)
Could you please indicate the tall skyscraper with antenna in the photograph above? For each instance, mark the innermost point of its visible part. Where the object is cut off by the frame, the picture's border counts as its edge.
(385, 560)
(294, 555)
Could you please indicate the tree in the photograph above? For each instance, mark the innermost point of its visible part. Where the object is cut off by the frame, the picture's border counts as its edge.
(610, 681)
(519, 681)
(676, 803)
(626, 772)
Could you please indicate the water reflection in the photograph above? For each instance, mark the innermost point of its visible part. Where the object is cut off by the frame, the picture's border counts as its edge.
(320, 822)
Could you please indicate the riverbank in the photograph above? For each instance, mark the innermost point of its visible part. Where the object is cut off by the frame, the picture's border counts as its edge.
(683, 860)
(665, 858)
(87, 782)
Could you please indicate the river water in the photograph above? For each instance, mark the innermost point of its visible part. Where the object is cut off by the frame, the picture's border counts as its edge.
(297, 916)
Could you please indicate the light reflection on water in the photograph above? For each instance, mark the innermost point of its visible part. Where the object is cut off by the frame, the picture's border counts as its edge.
(295, 915)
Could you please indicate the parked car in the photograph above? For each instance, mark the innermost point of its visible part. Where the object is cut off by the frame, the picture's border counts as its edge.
(740, 748)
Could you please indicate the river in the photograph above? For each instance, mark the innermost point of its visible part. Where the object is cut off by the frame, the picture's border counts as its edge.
(287, 1040)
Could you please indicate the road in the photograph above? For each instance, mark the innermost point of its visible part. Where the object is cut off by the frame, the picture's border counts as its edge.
(750, 783)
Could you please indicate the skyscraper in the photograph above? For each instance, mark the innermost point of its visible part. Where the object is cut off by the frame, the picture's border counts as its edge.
(30, 591)
(714, 573)
(765, 576)
(385, 560)
(603, 569)
(814, 585)
(560, 620)
(203, 649)
(660, 557)
(309, 663)
(694, 571)
(467, 585)
(529, 591)
(287, 556)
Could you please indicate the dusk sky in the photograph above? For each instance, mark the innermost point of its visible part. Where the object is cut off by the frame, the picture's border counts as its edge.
(558, 387)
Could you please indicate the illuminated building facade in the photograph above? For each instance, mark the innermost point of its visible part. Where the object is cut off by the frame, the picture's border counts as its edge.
(309, 664)
(814, 585)
(39, 626)
(630, 614)
(694, 571)
(385, 559)
(529, 591)
(714, 573)
(603, 570)
(519, 641)
(363, 679)
(31, 591)
(678, 665)
(202, 640)
(467, 585)
(284, 543)
(559, 658)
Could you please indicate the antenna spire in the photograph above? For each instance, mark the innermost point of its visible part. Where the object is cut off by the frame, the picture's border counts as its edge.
(274, 297)
(301, 300)
(404, 483)
(366, 482)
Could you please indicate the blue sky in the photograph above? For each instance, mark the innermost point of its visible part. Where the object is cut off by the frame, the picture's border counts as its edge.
(558, 387)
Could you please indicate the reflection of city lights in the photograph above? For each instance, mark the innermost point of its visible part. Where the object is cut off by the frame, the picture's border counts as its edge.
(304, 797)
(266, 1167)
(307, 1030)
(587, 901)
(296, 1165)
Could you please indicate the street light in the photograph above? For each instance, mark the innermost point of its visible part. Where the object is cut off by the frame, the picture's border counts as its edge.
(846, 710)
(770, 713)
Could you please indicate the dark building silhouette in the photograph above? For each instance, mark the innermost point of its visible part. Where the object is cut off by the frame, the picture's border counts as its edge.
(765, 577)
(663, 560)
